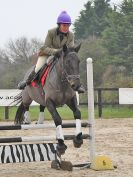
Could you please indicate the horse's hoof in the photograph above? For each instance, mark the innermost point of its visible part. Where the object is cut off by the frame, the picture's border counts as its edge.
(26, 123)
(66, 165)
(78, 140)
(61, 148)
(55, 164)
(16, 123)
(39, 123)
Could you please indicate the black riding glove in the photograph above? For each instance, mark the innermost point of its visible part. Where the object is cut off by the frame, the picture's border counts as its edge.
(58, 53)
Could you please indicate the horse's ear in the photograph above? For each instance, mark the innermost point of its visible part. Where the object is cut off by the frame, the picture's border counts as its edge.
(65, 48)
(77, 48)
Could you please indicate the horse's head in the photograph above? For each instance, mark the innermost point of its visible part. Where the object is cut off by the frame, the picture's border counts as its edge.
(71, 66)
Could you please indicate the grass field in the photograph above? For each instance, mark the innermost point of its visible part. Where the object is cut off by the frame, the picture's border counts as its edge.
(66, 113)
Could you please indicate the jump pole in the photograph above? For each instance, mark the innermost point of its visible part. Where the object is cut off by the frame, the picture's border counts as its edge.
(91, 119)
(39, 126)
(38, 138)
(97, 162)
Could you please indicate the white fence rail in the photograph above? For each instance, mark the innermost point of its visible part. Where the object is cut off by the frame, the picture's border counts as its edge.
(7, 97)
(125, 95)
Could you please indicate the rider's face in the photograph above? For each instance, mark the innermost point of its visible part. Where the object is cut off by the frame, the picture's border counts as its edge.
(64, 28)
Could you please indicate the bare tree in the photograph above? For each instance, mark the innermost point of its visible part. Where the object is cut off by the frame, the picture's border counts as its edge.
(17, 56)
(21, 50)
(3, 57)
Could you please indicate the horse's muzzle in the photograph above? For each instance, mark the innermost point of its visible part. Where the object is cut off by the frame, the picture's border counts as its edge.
(75, 84)
(74, 81)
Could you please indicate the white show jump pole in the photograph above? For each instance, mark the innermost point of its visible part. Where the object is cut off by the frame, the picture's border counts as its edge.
(91, 119)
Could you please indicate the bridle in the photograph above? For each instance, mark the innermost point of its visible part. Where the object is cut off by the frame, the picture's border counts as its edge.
(65, 76)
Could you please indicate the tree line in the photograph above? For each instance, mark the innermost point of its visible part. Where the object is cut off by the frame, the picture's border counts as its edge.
(106, 33)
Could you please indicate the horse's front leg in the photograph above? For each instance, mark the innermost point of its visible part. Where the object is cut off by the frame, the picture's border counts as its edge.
(61, 147)
(78, 140)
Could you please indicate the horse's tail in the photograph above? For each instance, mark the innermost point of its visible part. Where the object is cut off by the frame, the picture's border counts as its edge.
(18, 99)
(19, 118)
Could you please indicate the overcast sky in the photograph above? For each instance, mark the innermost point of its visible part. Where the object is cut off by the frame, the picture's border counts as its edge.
(33, 18)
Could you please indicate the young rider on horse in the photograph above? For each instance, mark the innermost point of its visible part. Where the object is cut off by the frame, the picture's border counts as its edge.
(53, 44)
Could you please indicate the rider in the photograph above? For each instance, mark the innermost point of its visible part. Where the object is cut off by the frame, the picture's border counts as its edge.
(53, 44)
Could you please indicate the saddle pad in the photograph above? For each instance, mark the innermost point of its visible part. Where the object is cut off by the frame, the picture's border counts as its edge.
(43, 79)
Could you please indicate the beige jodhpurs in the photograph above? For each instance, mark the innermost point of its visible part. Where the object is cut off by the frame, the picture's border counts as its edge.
(40, 62)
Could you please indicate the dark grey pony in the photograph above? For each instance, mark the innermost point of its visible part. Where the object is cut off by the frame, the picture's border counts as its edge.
(61, 83)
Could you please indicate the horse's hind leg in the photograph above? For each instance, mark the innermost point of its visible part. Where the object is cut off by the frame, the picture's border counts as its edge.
(78, 140)
(41, 115)
(26, 102)
(61, 147)
(27, 119)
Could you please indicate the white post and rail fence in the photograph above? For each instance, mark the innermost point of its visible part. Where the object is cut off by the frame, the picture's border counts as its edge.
(124, 96)
(7, 97)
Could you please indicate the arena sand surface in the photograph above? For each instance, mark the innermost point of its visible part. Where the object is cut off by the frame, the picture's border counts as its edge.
(114, 138)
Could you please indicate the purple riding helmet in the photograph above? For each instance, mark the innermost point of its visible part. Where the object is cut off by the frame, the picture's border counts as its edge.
(64, 18)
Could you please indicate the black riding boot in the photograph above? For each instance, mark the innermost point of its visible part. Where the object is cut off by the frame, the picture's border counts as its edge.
(30, 78)
(81, 89)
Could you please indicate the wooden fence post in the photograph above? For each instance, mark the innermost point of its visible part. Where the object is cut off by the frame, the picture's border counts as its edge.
(6, 112)
(99, 102)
